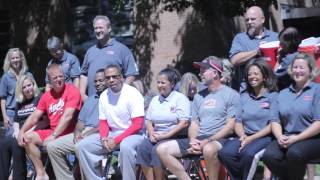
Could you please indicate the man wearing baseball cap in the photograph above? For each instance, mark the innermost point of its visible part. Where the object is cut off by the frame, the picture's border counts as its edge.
(214, 110)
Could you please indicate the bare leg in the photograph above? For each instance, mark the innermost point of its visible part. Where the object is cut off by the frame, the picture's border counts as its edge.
(158, 173)
(148, 172)
(167, 152)
(310, 171)
(210, 154)
(266, 173)
(35, 155)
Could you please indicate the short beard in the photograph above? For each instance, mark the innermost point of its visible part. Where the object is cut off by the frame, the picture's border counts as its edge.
(252, 32)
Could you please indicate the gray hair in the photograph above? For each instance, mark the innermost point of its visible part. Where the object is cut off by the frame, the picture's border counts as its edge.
(105, 18)
(54, 43)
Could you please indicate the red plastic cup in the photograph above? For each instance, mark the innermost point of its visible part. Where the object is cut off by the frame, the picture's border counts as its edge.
(269, 50)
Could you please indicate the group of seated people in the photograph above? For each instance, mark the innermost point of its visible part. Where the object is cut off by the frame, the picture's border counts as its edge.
(275, 111)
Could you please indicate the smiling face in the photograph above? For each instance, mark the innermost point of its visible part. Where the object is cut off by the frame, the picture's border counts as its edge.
(28, 89)
(56, 78)
(255, 77)
(99, 82)
(101, 29)
(15, 61)
(207, 75)
(301, 72)
(164, 86)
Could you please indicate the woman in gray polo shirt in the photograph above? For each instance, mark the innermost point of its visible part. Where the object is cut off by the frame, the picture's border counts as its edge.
(14, 65)
(297, 126)
(258, 107)
(167, 116)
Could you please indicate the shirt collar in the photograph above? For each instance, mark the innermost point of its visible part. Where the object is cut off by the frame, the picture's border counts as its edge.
(162, 99)
(109, 43)
(266, 33)
(64, 58)
(308, 86)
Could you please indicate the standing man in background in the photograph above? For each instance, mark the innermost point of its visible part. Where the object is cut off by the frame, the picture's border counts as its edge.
(69, 62)
(245, 45)
(107, 51)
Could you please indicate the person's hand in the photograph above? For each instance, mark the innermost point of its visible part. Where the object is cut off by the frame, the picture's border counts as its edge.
(48, 140)
(247, 140)
(291, 140)
(195, 146)
(282, 141)
(159, 136)
(22, 140)
(152, 138)
(77, 136)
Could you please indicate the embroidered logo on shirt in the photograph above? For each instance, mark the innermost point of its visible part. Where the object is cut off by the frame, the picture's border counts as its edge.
(265, 105)
(65, 66)
(56, 108)
(110, 52)
(307, 98)
(210, 103)
(172, 109)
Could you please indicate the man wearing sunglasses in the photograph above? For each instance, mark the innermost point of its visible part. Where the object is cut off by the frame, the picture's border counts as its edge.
(121, 116)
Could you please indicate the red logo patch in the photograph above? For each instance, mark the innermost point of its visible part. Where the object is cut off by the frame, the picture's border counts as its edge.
(307, 98)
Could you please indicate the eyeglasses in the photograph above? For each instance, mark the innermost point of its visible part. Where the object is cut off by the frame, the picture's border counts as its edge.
(113, 77)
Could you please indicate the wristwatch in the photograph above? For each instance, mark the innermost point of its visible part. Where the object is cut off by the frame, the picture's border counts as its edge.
(54, 134)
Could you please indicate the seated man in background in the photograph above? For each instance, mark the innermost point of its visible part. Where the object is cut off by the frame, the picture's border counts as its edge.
(121, 116)
(88, 122)
(62, 105)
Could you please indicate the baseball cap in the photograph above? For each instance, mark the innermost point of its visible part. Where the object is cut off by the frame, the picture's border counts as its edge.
(210, 61)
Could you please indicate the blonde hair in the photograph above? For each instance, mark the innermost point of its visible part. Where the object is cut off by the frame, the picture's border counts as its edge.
(186, 81)
(314, 71)
(6, 64)
(19, 95)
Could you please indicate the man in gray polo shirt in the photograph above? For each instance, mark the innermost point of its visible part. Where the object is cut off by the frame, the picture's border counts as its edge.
(87, 125)
(214, 110)
(69, 62)
(106, 52)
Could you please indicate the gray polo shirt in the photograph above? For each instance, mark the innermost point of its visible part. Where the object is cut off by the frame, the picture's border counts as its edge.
(70, 65)
(7, 92)
(165, 112)
(89, 114)
(213, 109)
(257, 112)
(100, 57)
(298, 112)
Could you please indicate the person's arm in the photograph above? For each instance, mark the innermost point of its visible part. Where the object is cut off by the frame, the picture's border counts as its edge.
(30, 122)
(311, 131)
(78, 131)
(136, 125)
(225, 131)
(180, 126)
(83, 86)
(242, 57)
(239, 130)
(4, 113)
(130, 79)
(65, 120)
(76, 82)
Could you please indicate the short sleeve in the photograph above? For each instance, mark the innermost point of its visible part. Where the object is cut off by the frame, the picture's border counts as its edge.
(236, 46)
(3, 87)
(151, 108)
(274, 109)
(242, 101)
(102, 113)
(85, 65)
(75, 67)
(136, 104)
(233, 108)
(42, 105)
(130, 67)
(316, 105)
(195, 107)
(183, 108)
(73, 99)
(83, 111)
